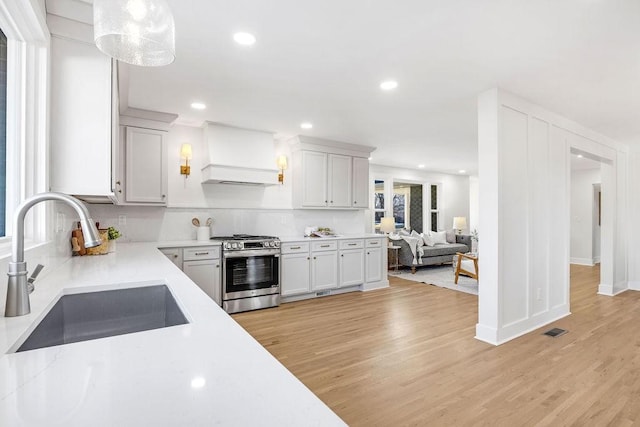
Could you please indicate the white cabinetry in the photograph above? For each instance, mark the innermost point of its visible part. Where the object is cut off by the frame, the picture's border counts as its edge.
(174, 255)
(313, 268)
(330, 174)
(81, 119)
(202, 265)
(314, 179)
(351, 263)
(324, 266)
(361, 195)
(374, 260)
(339, 181)
(145, 179)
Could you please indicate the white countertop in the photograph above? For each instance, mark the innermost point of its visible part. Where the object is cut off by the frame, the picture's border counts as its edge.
(146, 378)
(187, 243)
(287, 239)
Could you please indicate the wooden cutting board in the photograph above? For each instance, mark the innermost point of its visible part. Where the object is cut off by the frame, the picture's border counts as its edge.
(77, 234)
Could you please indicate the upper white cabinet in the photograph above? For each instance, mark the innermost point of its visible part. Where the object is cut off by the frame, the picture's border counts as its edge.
(360, 182)
(145, 180)
(82, 102)
(339, 183)
(314, 179)
(329, 174)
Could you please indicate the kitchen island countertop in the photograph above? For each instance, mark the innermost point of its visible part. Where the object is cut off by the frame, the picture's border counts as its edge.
(207, 372)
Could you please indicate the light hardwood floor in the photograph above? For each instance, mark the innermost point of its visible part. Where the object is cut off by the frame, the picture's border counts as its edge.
(406, 356)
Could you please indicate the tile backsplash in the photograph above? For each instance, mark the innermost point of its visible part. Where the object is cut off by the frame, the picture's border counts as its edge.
(144, 224)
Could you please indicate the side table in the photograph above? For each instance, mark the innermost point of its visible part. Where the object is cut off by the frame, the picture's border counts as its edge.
(393, 257)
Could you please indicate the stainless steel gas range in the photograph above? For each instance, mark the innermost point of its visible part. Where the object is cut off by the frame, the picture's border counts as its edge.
(250, 272)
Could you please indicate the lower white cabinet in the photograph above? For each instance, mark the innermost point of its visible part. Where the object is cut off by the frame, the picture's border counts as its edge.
(324, 270)
(351, 267)
(202, 265)
(206, 274)
(313, 267)
(374, 260)
(295, 273)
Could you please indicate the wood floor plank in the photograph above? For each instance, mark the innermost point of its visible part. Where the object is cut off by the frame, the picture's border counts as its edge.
(406, 356)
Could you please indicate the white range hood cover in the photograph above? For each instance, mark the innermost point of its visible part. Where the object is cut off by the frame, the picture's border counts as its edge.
(238, 156)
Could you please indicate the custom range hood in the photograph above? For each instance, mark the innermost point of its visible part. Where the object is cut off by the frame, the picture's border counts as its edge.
(238, 156)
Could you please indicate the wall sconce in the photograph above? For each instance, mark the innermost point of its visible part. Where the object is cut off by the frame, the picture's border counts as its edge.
(282, 165)
(186, 154)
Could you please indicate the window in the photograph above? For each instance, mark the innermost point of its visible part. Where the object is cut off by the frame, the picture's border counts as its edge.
(378, 202)
(3, 133)
(435, 207)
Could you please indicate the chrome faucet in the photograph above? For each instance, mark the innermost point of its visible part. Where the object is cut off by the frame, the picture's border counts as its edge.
(17, 289)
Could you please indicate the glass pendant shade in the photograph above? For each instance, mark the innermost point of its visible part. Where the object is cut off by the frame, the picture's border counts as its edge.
(138, 32)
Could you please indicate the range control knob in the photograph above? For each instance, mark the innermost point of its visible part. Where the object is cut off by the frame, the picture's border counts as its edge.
(234, 246)
(227, 245)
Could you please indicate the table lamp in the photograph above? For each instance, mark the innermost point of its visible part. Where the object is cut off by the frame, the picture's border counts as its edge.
(459, 223)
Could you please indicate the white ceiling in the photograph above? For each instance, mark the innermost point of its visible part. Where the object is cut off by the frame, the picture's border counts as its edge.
(323, 61)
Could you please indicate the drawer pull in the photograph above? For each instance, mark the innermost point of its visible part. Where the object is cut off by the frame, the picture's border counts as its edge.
(325, 246)
(353, 244)
(374, 243)
(202, 253)
(295, 247)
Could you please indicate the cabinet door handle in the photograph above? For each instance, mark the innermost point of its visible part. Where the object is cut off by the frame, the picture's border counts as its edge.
(175, 255)
(314, 257)
(217, 265)
(163, 196)
(308, 258)
(355, 202)
(332, 201)
(325, 201)
(368, 253)
(295, 247)
(202, 253)
(342, 255)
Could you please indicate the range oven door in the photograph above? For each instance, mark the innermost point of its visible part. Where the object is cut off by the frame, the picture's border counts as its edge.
(250, 273)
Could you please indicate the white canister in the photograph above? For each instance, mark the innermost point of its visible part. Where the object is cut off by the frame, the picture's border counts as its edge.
(203, 233)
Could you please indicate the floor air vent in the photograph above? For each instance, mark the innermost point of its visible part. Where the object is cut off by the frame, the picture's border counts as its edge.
(555, 332)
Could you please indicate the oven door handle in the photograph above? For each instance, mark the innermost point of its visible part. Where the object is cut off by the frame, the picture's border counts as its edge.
(251, 253)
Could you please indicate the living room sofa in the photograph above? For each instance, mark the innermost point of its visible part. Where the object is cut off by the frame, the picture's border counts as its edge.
(438, 254)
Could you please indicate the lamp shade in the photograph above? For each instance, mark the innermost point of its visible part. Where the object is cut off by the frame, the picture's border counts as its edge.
(138, 32)
(281, 161)
(185, 152)
(459, 222)
(388, 224)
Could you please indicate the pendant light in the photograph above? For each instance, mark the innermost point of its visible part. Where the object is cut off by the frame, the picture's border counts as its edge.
(138, 32)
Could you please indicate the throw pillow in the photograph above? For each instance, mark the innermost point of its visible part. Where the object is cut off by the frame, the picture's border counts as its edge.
(426, 237)
(451, 236)
(439, 237)
(415, 234)
(404, 232)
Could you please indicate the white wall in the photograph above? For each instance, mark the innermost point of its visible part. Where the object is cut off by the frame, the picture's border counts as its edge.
(454, 197)
(524, 173)
(582, 216)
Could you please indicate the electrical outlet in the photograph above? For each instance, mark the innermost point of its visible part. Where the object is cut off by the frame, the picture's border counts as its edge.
(122, 220)
(60, 220)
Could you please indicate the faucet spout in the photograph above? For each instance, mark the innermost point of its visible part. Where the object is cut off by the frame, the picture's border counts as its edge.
(17, 303)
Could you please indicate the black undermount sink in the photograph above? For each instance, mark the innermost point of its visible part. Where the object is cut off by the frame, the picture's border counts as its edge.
(93, 315)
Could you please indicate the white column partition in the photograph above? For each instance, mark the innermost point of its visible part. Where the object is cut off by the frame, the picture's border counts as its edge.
(524, 178)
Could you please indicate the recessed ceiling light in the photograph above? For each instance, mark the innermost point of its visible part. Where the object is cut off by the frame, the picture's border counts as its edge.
(245, 39)
(198, 106)
(370, 158)
(580, 156)
(198, 382)
(388, 85)
(421, 166)
(306, 125)
(462, 171)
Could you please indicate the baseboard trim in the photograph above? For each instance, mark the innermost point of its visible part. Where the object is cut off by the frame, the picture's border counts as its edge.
(606, 290)
(633, 285)
(375, 286)
(505, 334)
